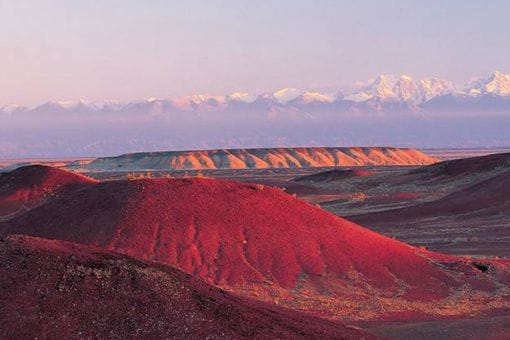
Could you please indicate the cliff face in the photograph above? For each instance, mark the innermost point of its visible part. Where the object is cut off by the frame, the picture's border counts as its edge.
(260, 158)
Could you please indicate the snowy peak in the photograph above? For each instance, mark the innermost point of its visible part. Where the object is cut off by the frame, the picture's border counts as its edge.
(316, 97)
(407, 90)
(66, 104)
(199, 102)
(496, 84)
(242, 97)
(63, 106)
(10, 109)
(390, 88)
(435, 87)
(286, 95)
(383, 87)
(298, 97)
(49, 107)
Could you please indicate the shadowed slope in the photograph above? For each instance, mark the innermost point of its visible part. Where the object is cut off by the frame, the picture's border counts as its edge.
(27, 187)
(55, 289)
(488, 198)
(263, 242)
(333, 175)
(466, 166)
(457, 172)
(385, 190)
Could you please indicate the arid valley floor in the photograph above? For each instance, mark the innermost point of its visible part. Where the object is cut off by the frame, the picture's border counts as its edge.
(373, 249)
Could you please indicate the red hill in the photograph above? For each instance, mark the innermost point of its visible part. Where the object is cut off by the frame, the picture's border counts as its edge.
(489, 164)
(262, 242)
(55, 289)
(487, 198)
(27, 187)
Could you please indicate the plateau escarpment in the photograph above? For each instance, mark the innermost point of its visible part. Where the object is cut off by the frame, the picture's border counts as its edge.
(259, 159)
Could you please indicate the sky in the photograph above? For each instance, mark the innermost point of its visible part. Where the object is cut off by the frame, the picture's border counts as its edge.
(125, 50)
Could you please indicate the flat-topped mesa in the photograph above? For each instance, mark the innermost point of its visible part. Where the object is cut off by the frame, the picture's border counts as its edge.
(302, 157)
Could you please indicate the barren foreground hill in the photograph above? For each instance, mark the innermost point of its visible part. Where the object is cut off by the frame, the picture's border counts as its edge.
(53, 289)
(259, 159)
(263, 243)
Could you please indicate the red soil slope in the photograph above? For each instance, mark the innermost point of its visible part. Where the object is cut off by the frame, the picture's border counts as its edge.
(487, 198)
(29, 186)
(55, 289)
(263, 242)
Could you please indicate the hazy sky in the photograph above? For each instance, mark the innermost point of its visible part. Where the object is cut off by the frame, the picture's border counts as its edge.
(58, 50)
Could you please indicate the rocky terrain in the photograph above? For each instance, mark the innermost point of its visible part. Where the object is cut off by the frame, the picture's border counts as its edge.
(55, 289)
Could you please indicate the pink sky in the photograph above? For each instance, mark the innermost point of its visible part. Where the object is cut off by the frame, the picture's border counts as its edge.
(67, 50)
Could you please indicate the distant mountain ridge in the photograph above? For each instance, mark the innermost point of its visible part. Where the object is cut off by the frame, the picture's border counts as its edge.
(388, 110)
(385, 88)
(258, 159)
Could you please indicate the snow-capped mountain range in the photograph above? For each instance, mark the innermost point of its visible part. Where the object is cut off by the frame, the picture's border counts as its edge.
(388, 110)
(383, 93)
(403, 89)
